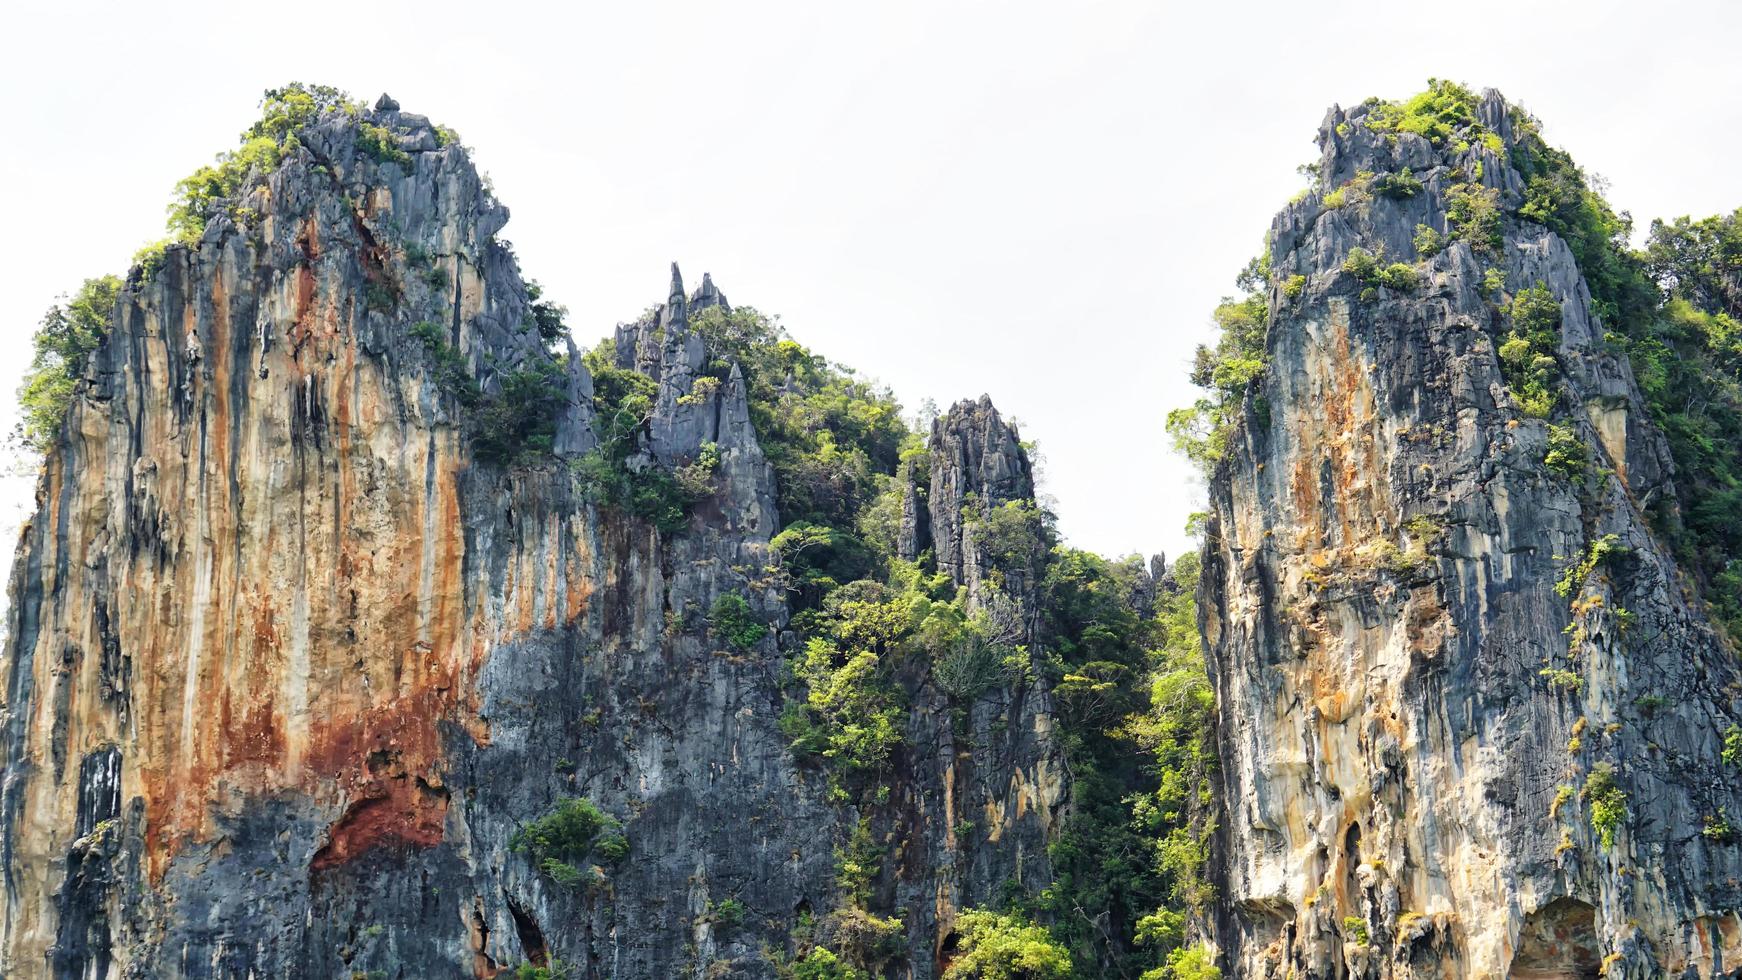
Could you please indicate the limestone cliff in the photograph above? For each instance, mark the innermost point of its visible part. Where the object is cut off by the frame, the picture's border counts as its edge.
(291, 660)
(1472, 716)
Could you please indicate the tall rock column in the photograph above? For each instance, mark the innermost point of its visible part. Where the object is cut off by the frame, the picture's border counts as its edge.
(289, 664)
(1471, 720)
(995, 770)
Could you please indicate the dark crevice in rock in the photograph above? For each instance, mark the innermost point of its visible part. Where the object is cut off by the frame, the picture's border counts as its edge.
(532, 943)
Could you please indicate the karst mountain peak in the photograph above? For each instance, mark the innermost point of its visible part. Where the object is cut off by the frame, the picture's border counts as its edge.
(376, 621)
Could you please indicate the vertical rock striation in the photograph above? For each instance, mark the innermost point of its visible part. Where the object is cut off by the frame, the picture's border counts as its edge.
(1423, 739)
(288, 666)
(994, 767)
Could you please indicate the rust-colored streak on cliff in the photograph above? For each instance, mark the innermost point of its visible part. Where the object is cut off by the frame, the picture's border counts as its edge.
(312, 615)
(410, 813)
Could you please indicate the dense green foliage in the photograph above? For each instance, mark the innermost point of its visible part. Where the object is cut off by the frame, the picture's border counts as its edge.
(380, 145)
(546, 317)
(731, 620)
(852, 712)
(1473, 214)
(1136, 708)
(1607, 802)
(1398, 186)
(1528, 354)
(570, 833)
(215, 188)
(1428, 242)
(819, 963)
(284, 111)
(1010, 536)
(517, 423)
(992, 946)
(1559, 197)
(70, 331)
(513, 425)
(1188, 963)
(1372, 270)
(1443, 114)
(1687, 357)
(622, 406)
(1567, 456)
(832, 438)
(1673, 310)
(1226, 371)
(1699, 261)
(554, 970)
(817, 558)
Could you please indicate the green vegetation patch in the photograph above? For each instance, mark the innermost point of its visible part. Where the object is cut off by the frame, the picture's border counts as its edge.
(1444, 114)
(566, 836)
(1371, 270)
(831, 436)
(732, 620)
(1473, 212)
(216, 188)
(994, 946)
(70, 332)
(1226, 371)
(1607, 802)
(1529, 354)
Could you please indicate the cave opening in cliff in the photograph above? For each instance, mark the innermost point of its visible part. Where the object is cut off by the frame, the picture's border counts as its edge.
(531, 936)
(1559, 942)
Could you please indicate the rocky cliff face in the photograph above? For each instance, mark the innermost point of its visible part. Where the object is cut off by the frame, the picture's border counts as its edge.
(289, 665)
(1472, 717)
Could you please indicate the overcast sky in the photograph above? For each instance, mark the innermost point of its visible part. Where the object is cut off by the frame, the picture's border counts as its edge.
(1037, 201)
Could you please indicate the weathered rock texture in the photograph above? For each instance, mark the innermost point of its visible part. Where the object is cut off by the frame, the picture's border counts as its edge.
(1380, 608)
(287, 667)
(1001, 771)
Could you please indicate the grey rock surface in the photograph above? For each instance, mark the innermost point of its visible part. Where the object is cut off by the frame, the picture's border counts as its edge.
(1410, 714)
(287, 667)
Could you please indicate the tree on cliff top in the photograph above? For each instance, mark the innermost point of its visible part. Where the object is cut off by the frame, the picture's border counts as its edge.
(69, 332)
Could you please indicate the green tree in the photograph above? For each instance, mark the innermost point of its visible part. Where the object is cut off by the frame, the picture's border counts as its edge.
(1443, 113)
(213, 189)
(566, 835)
(517, 424)
(994, 946)
(1226, 371)
(69, 333)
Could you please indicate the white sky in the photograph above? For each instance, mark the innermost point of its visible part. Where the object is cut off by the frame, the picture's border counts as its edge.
(1037, 201)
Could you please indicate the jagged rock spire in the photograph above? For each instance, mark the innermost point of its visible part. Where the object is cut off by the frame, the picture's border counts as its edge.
(695, 408)
(676, 316)
(707, 295)
(977, 461)
(574, 430)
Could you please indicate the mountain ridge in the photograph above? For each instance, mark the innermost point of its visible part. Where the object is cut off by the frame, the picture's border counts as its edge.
(369, 626)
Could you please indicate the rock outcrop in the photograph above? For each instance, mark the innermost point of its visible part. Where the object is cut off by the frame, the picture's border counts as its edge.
(998, 769)
(289, 665)
(1472, 718)
(350, 572)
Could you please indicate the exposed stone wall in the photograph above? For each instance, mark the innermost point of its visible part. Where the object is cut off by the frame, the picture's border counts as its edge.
(287, 667)
(1380, 607)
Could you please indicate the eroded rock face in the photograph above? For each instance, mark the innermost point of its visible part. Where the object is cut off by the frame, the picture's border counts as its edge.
(288, 667)
(997, 774)
(1409, 710)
